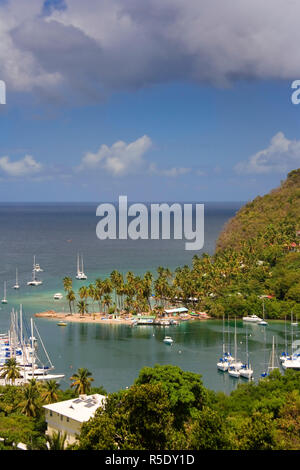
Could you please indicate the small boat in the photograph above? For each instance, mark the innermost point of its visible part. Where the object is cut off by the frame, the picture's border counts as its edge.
(16, 286)
(58, 296)
(61, 323)
(252, 319)
(4, 300)
(168, 340)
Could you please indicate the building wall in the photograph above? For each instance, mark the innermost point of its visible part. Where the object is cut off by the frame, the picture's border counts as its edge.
(59, 423)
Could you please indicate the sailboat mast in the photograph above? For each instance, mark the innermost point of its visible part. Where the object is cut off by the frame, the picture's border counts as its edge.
(235, 342)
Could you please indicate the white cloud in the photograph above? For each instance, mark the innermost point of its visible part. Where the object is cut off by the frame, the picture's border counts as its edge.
(119, 159)
(26, 166)
(93, 47)
(281, 156)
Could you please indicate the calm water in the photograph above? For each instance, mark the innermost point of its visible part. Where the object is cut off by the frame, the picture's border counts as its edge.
(113, 353)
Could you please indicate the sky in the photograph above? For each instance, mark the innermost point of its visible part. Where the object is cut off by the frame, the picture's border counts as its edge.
(158, 100)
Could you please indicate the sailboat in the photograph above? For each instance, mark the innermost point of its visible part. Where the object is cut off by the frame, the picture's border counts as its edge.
(16, 286)
(263, 321)
(235, 365)
(245, 370)
(34, 281)
(285, 353)
(223, 363)
(294, 323)
(36, 266)
(80, 273)
(14, 344)
(293, 360)
(4, 300)
(273, 363)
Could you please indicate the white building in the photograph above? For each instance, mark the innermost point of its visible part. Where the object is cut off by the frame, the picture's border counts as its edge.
(67, 416)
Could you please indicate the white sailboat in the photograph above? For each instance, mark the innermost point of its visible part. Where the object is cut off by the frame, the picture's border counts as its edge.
(273, 363)
(246, 371)
(80, 273)
(16, 286)
(293, 360)
(34, 281)
(4, 300)
(25, 351)
(285, 354)
(235, 365)
(263, 321)
(223, 363)
(293, 323)
(36, 266)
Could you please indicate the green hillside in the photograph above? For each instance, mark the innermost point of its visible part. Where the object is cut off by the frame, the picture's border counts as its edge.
(279, 211)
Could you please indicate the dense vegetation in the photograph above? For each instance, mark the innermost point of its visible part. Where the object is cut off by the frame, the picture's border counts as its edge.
(166, 408)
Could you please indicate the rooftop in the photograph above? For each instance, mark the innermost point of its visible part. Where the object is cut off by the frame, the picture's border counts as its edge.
(80, 409)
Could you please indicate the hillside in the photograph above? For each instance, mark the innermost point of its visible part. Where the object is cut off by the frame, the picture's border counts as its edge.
(276, 211)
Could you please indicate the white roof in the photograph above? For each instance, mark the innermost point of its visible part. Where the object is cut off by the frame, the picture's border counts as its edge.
(80, 409)
(177, 310)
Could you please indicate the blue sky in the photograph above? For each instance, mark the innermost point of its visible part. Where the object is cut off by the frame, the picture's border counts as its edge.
(179, 134)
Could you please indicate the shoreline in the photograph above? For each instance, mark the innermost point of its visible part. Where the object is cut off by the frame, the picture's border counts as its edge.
(100, 318)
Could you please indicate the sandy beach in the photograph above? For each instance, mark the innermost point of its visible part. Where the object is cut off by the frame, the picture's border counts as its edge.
(86, 318)
(101, 318)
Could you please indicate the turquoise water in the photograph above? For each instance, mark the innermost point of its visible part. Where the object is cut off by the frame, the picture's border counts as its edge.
(113, 353)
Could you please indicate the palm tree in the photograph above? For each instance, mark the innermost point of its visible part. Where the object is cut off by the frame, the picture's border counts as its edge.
(71, 298)
(83, 292)
(92, 292)
(57, 440)
(67, 283)
(82, 381)
(82, 307)
(49, 394)
(31, 404)
(10, 370)
(107, 301)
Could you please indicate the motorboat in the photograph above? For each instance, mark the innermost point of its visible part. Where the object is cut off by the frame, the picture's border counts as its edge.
(252, 319)
(168, 340)
(58, 296)
(62, 323)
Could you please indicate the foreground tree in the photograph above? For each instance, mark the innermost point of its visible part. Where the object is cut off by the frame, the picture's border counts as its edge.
(50, 392)
(82, 381)
(10, 371)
